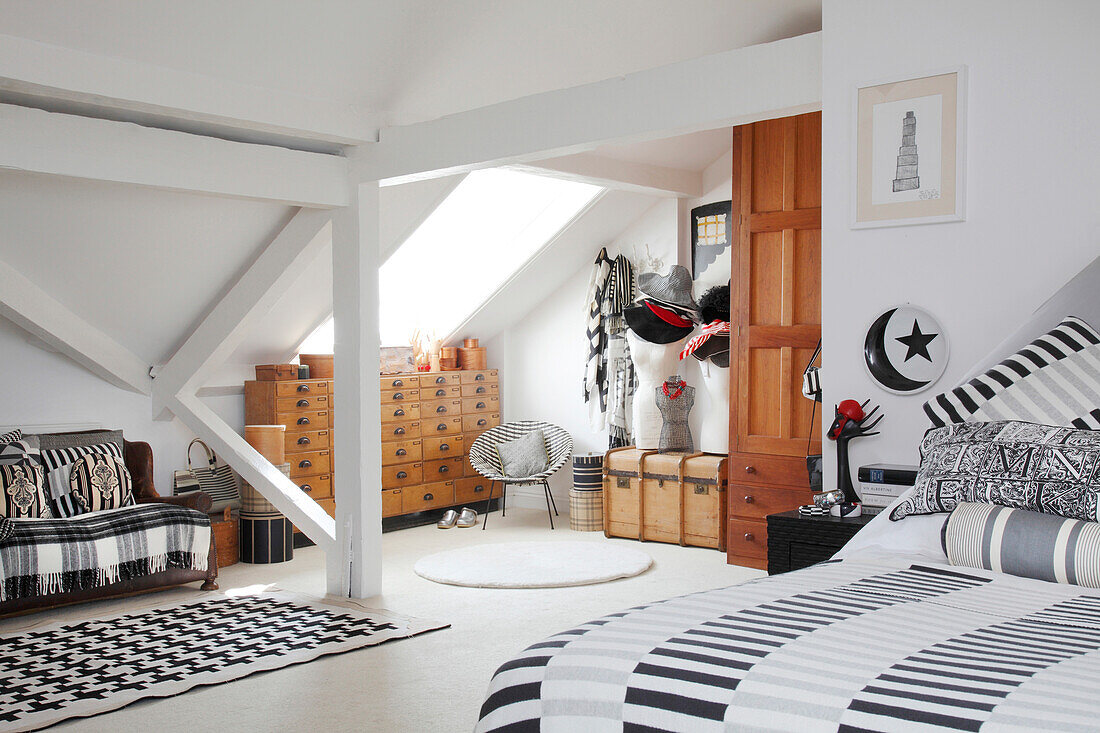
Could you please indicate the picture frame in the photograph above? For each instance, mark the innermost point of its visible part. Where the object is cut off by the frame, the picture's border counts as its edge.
(909, 151)
(711, 242)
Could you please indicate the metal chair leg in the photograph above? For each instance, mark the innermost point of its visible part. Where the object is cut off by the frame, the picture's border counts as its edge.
(488, 502)
(551, 495)
(503, 498)
(546, 488)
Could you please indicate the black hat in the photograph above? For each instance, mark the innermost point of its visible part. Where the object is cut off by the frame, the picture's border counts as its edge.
(714, 304)
(643, 320)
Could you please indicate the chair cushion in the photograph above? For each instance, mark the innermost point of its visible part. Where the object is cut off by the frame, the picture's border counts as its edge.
(524, 456)
(24, 494)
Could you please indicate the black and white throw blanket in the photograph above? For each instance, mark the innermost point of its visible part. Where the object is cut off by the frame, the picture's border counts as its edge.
(46, 556)
(842, 646)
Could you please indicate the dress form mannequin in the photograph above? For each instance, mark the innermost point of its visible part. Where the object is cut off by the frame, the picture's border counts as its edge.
(675, 400)
(714, 426)
(652, 363)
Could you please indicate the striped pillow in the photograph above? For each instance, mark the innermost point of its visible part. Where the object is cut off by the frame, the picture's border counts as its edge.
(96, 482)
(1054, 380)
(1023, 543)
(57, 463)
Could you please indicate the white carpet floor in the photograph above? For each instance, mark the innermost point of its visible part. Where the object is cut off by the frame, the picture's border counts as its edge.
(433, 682)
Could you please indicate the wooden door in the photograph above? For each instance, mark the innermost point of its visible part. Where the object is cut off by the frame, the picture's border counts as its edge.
(776, 282)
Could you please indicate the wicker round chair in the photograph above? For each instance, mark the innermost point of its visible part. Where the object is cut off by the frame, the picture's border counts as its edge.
(486, 461)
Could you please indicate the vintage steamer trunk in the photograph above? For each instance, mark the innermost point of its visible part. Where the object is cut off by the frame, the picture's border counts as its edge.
(671, 497)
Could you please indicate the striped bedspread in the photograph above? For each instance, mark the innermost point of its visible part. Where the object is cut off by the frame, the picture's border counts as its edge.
(843, 646)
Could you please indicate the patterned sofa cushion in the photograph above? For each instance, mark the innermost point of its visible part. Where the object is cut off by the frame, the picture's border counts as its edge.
(1043, 468)
(24, 493)
(1019, 542)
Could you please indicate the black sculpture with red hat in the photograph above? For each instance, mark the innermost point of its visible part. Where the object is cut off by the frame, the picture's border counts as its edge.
(852, 421)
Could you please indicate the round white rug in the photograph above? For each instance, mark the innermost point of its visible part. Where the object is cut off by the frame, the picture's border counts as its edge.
(533, 564)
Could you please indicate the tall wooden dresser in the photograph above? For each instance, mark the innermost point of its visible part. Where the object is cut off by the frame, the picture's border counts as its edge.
(776, 310)
(429, 421)
(305, 407)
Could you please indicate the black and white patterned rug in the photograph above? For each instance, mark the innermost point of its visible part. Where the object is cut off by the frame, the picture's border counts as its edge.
(79, 668)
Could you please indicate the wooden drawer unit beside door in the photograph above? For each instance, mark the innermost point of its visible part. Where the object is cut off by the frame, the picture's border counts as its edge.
(776, 312)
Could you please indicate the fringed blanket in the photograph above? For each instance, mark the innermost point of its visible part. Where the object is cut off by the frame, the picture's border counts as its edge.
(46, 556)
(837, 647)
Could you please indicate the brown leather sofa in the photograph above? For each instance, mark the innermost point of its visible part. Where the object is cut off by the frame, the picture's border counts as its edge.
(139, 461)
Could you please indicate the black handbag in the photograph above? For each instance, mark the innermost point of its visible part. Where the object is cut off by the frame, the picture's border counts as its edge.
(811, 388)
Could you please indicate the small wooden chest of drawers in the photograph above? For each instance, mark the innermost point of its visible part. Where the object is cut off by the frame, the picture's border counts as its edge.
(760, 485)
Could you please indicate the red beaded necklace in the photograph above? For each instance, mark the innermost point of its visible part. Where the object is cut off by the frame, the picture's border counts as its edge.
(679, 389)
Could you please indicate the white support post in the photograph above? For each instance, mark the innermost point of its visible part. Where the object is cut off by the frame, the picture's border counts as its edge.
(355, 569)
(26, 304)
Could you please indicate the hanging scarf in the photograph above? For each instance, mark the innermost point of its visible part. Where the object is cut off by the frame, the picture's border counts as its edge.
(595, 377)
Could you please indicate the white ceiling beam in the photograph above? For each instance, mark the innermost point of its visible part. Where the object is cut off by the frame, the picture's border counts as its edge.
(284, 494)
(120, 152)
(249, 299)
(720, 90)
(26, 304)
(623, 175)
(42, 70)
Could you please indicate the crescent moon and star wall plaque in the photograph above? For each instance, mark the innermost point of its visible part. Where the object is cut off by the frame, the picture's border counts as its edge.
(905, 350)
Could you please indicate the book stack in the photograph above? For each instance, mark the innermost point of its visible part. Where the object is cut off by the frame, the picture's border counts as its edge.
(881, 483)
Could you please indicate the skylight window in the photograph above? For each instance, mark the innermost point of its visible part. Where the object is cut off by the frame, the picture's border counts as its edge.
(479, 237)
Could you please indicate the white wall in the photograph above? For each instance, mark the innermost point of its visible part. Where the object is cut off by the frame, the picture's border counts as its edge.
(1032, 218)
(45, 388)
(541, 358)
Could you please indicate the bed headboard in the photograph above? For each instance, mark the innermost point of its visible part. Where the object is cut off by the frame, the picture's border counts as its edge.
(1079, 297)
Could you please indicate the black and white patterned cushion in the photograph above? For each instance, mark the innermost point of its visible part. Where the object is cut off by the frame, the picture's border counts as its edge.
(11, 436)
(1043, 468)
(20, 449)
(57, 463)
(24, 495)
(1054, 380)
(97, 481)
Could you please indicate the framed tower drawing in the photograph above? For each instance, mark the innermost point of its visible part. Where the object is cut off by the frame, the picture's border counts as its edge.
(910, 151)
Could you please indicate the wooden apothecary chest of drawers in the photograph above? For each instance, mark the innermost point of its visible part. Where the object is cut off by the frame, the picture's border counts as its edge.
(305, 407)
(429, 421)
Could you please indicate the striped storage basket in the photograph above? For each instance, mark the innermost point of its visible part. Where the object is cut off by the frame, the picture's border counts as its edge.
(586, 498)
(266, 536)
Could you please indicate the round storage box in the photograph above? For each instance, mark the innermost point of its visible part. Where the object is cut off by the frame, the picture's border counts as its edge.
(266, 540)
(588, 471)
(268, 440)
(585, 511)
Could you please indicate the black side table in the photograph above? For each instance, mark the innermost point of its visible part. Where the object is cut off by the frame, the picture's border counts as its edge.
(796, 541)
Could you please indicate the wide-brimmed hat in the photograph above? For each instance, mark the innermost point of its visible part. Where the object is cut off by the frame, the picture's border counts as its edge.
(655, 324)
(673, 289)
(713, 343)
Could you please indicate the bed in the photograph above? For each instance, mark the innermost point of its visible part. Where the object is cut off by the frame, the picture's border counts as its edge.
(886, 637)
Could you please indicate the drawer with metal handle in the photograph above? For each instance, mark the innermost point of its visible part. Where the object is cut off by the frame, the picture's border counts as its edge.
(438, 380)
(318, 487)
(428, 496)
(444, 447)
(403, 474)
(297, 422)
(402, 451)
(471, 405)
(479, 377)
(399, 395)
(399, 381)
(472, 489)
(302, 403)
(405, 430)
(441, 392)
(441, 426)
(311, 463)
(400, 413)
(477, 389)
(306, 440)
(480, 423)
(391, 502)
(444, 468)
(441, 408)
(300, 388)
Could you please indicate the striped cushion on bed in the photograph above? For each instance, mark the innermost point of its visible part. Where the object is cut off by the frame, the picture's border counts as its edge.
(1054, 380)
(1023, 543)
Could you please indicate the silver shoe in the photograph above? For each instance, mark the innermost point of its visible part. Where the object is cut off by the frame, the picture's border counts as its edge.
(468, 518)
(449, 519)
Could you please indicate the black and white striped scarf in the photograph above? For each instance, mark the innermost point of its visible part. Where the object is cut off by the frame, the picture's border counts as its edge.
(595, 375)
